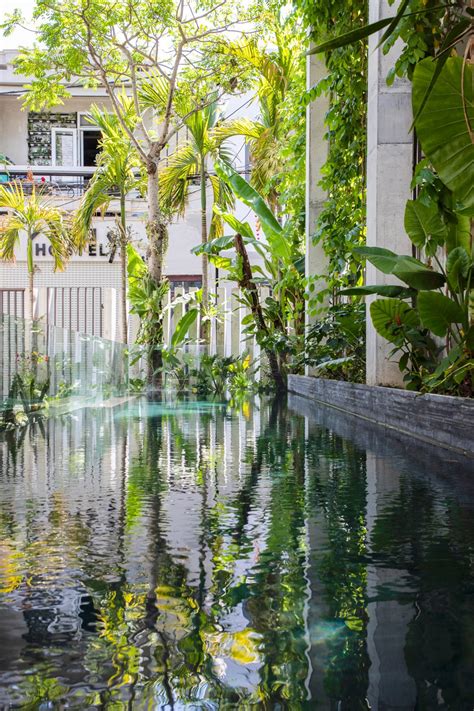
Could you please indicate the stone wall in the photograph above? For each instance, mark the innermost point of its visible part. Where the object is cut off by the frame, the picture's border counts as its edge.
(39, 134)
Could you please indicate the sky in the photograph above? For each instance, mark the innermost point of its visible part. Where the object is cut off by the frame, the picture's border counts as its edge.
(20, 37)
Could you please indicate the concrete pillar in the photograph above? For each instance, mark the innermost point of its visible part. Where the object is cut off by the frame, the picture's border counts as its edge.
(316, 156)
(389, 172)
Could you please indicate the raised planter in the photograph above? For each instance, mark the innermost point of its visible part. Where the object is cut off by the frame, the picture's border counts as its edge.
(440, 419)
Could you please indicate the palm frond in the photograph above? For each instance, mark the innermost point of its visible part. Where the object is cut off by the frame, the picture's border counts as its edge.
(9, 240)
(96, 198)
(224, 198)
(237, 127)
(153, 93)
(174, 179)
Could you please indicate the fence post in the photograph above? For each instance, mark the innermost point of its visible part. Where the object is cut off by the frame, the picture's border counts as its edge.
(110, 320)
(221, 303)
(228, 321)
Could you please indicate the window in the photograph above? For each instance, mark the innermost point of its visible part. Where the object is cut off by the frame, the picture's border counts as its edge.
(64, 146)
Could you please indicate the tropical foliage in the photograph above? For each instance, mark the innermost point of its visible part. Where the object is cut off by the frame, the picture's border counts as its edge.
(277, 323)
(191, 160)
(116, 176)
(34, 215)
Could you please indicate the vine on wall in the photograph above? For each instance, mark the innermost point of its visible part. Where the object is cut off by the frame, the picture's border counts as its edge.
(341, 225)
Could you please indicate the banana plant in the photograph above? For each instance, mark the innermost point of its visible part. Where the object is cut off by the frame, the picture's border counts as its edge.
(273, 322)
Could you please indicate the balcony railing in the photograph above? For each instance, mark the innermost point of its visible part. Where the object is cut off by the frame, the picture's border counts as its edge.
(61, 181)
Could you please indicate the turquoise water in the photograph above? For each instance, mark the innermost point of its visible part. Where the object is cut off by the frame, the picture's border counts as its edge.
(191, 556)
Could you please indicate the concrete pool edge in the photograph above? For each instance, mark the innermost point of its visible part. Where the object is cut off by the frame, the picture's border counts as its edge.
(441, 420)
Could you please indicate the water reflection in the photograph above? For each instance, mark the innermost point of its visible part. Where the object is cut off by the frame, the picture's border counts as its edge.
(186, 556)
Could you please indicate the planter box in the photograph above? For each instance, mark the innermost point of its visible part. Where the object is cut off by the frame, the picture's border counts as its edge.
(439, 419)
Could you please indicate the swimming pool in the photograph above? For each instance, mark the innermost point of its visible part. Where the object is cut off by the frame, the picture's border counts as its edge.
(173, 555)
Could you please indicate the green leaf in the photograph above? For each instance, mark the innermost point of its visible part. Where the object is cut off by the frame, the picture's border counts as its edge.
(391, 317)
(391, 290)
(457, 266)
(452, 37)
(423, 222)
(136, 267)
(438, 312)
(352, 36)
(220, 262)
(416, 275)
(394, 23)
(183, 326)
(408, 269)
(215, 245)
(444, 126)
(242, 228)
(367, 30)
(383, 259)
(250, 197)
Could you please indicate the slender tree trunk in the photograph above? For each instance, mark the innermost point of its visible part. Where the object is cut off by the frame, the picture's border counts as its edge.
(157, 242)
(204, 335)
(123, 267)
(247, 283)
(31, 275)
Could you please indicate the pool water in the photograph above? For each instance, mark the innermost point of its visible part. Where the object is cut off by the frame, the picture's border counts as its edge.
(193, 556)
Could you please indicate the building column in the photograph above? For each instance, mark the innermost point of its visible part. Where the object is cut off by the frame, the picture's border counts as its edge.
(316, 156)
(389, 173)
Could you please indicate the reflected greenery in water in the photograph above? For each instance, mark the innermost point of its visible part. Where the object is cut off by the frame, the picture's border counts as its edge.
(184, 555)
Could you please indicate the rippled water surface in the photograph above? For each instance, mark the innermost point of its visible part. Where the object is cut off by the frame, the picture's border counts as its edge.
(190, 556)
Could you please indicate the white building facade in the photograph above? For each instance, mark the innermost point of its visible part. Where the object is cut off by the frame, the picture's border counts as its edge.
(60, 147)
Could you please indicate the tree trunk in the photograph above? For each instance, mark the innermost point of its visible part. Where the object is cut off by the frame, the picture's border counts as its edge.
(247, 283)
(123, 267)
(204, 331)
(31, 275)
(157, 243)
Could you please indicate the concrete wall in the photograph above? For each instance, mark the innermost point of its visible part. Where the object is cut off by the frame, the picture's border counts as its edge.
(439, 419)
(389, 172)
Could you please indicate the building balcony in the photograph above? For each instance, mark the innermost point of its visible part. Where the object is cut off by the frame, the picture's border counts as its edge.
(64, 182)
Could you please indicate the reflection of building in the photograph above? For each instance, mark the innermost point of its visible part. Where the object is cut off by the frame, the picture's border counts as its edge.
(60, 147)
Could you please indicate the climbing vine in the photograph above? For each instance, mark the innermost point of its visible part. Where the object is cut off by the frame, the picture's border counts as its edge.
(341, 224)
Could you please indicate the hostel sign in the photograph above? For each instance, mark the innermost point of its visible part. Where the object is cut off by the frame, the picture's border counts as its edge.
(42, 248)
(98, 249)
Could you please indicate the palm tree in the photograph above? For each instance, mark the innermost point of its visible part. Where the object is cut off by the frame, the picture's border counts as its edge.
(275, 70)
(115, 177)
(33, 215)
(189, 161)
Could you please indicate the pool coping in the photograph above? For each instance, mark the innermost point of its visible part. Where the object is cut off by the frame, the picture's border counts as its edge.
(442, 420)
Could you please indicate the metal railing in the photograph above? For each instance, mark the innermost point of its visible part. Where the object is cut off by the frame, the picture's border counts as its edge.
(58, 181)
